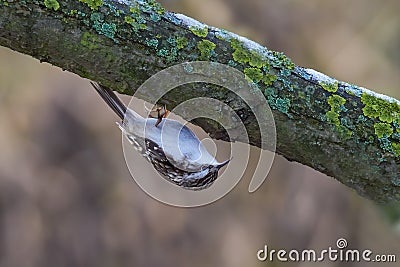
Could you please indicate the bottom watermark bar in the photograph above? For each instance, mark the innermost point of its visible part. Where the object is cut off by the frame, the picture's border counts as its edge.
(338, 254)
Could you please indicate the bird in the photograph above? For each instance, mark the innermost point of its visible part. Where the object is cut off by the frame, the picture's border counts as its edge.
(171, 147)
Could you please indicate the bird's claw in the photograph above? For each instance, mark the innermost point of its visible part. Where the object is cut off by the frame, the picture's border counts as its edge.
(162, 113)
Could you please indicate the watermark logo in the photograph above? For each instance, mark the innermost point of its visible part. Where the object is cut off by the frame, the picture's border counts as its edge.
(192, 108)
(340, 253)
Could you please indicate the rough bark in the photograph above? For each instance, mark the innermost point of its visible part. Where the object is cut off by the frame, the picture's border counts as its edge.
(339, 129)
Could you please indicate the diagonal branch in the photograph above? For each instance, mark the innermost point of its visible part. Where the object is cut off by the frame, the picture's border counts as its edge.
(342, 130)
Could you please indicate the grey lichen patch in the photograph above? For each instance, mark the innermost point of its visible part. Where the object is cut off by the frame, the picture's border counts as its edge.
(169, 54)
(151, 6)
(280, 60)
(102, 27)
(135, 18)
(283, 105)
(113, 9)
(171, 41)
(188, 68)
(155, 17)
(276, 102)
(152, 43)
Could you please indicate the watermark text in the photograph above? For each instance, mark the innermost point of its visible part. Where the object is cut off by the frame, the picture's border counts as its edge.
(339, 253)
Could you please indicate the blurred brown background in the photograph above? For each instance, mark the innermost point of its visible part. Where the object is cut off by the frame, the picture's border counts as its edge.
(67, 198)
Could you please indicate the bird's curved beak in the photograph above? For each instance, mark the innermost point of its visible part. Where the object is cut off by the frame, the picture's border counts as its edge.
(222, 164)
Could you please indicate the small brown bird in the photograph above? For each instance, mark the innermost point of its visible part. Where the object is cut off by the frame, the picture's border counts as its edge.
(173, 149)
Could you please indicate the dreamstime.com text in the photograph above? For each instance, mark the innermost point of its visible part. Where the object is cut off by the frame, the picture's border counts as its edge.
(339, 254)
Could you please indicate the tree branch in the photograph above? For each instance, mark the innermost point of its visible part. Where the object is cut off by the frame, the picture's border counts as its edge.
(339, 129)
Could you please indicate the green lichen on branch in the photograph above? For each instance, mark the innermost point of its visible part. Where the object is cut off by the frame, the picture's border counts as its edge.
(259, 65)
(256, 60)
(206, 49)
(331, 87)
(240, 54)
(90, 41)
(269, 79)
(181, 42)
(383, 130)
(378, 108)
(333, 117)
(129, 20)
(200, 32)
(52, 4)
(93, 4)
(386, 116)
(336, 103)
(253, 74)
(396, 148)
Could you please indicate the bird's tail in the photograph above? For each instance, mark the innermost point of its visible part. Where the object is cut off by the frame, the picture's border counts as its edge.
(111, 99)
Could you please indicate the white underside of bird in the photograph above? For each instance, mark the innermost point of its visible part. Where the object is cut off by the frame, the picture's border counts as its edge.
(179, 144)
